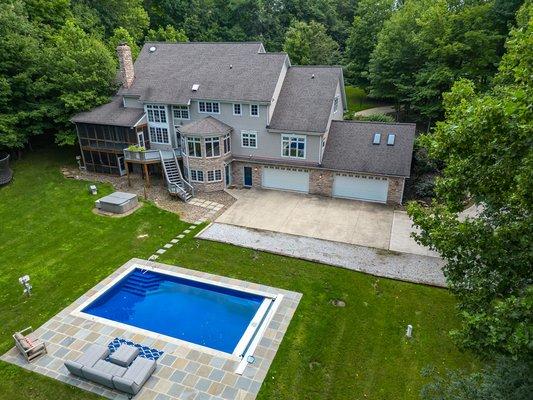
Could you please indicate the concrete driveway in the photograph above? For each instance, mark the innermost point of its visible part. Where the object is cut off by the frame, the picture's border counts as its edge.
(339, 220)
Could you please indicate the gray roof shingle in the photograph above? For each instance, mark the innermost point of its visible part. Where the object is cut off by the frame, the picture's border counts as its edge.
(206, 126)
(224, 71)
(349, 148)
(112, 113)
(304, 102)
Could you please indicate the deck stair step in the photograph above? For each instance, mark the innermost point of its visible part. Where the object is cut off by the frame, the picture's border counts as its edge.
(176, 184)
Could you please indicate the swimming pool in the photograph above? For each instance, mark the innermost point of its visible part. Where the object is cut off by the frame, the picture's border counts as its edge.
(196, 311)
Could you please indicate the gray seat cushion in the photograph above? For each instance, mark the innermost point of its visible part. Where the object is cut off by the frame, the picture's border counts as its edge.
(124, 355)
(98, 376)
(74, 367)
(93, 353)
(136, 375)
(109, 368)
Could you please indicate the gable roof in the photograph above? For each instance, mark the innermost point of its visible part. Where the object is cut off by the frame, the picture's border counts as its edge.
(205, 126)
(306, 99)
(349, 148)
(223, 71)
(113, 113)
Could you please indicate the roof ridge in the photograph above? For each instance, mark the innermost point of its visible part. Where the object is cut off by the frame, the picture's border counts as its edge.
(160, 42)
(352, 121)
(316, 66)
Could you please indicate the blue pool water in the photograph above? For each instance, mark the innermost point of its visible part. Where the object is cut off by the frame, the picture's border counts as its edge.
(200, 313)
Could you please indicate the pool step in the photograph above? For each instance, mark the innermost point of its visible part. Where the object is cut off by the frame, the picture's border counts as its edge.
(140, 284)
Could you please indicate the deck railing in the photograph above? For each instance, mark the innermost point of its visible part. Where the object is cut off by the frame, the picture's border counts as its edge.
(146, 155)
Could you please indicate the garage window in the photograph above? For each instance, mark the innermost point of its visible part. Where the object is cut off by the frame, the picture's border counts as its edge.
(293, 146)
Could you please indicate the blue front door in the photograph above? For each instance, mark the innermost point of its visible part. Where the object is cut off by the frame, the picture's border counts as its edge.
(247, 176)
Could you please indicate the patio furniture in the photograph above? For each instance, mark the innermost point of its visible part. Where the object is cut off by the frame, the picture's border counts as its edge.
(92, 366)
(124, 355)
(30, 347)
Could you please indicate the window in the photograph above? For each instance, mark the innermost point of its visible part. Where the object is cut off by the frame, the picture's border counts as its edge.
(254, 110)
(227, 144)
(181, 112)
(159, 135)
(377, 138)
(214, 176)
(237, 109)
(390, 139)
(194, 147)
(208, 107)
(293, 146)
(336, 104)
(156, 113)
(197, 175)
(249, 139)
(212, 147)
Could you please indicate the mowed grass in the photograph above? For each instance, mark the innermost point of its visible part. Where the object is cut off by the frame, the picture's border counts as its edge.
(47, 230)
(358, 100)
(356, 352)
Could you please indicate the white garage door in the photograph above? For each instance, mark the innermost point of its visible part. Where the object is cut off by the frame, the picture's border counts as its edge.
(286, 179)
(361, 188)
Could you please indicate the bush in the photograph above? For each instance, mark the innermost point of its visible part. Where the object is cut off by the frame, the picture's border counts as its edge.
(425, 186)
(375, 118)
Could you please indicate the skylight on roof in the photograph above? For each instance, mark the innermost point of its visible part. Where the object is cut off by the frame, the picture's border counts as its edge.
(195, 87)
(377, 138)
(390, 139)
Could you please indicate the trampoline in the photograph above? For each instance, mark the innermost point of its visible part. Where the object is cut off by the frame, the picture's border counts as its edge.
(6, 174)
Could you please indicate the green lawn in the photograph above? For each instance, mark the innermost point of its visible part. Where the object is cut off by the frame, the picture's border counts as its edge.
(356, 352)
(357, 100)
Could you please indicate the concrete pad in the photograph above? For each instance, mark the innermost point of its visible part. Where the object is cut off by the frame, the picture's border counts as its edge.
(341, 220)
(401, 239)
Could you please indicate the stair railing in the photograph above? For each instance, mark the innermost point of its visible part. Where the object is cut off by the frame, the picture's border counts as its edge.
(174, 187)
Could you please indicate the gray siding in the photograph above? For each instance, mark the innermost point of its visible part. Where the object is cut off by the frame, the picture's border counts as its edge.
(268, 143)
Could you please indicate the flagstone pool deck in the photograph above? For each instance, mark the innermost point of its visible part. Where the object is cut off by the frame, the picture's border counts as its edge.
(183, 372)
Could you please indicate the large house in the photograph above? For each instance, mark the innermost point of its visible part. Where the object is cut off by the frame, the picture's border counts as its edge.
(212, 115)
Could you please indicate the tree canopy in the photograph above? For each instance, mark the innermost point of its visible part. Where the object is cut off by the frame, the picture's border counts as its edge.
(308, 43)
(486, 144)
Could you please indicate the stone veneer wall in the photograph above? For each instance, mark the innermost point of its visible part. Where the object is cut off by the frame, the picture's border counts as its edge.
(206, 164)
(395, 193)
(320, 181)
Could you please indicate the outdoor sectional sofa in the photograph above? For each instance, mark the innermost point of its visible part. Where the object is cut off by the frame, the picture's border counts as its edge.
(114, 374)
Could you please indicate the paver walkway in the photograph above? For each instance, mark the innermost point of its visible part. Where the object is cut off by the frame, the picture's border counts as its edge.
(402, 266)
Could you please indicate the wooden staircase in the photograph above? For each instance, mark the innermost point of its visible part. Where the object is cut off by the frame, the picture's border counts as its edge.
(176, 184)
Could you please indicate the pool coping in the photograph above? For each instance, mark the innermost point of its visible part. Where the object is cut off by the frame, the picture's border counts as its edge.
(182, 372)
(241, 345)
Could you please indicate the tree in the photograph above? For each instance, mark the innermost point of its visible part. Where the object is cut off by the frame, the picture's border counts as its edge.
(167, 34)
(20, 49)
(308, 43)
(486, 144)
(128, 14)
(80, 73)
(121, 35)
(370, 15)
(426, 46)
(506, 379)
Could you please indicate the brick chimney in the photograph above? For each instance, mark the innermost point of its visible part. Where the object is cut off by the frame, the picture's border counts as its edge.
(127, 73)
